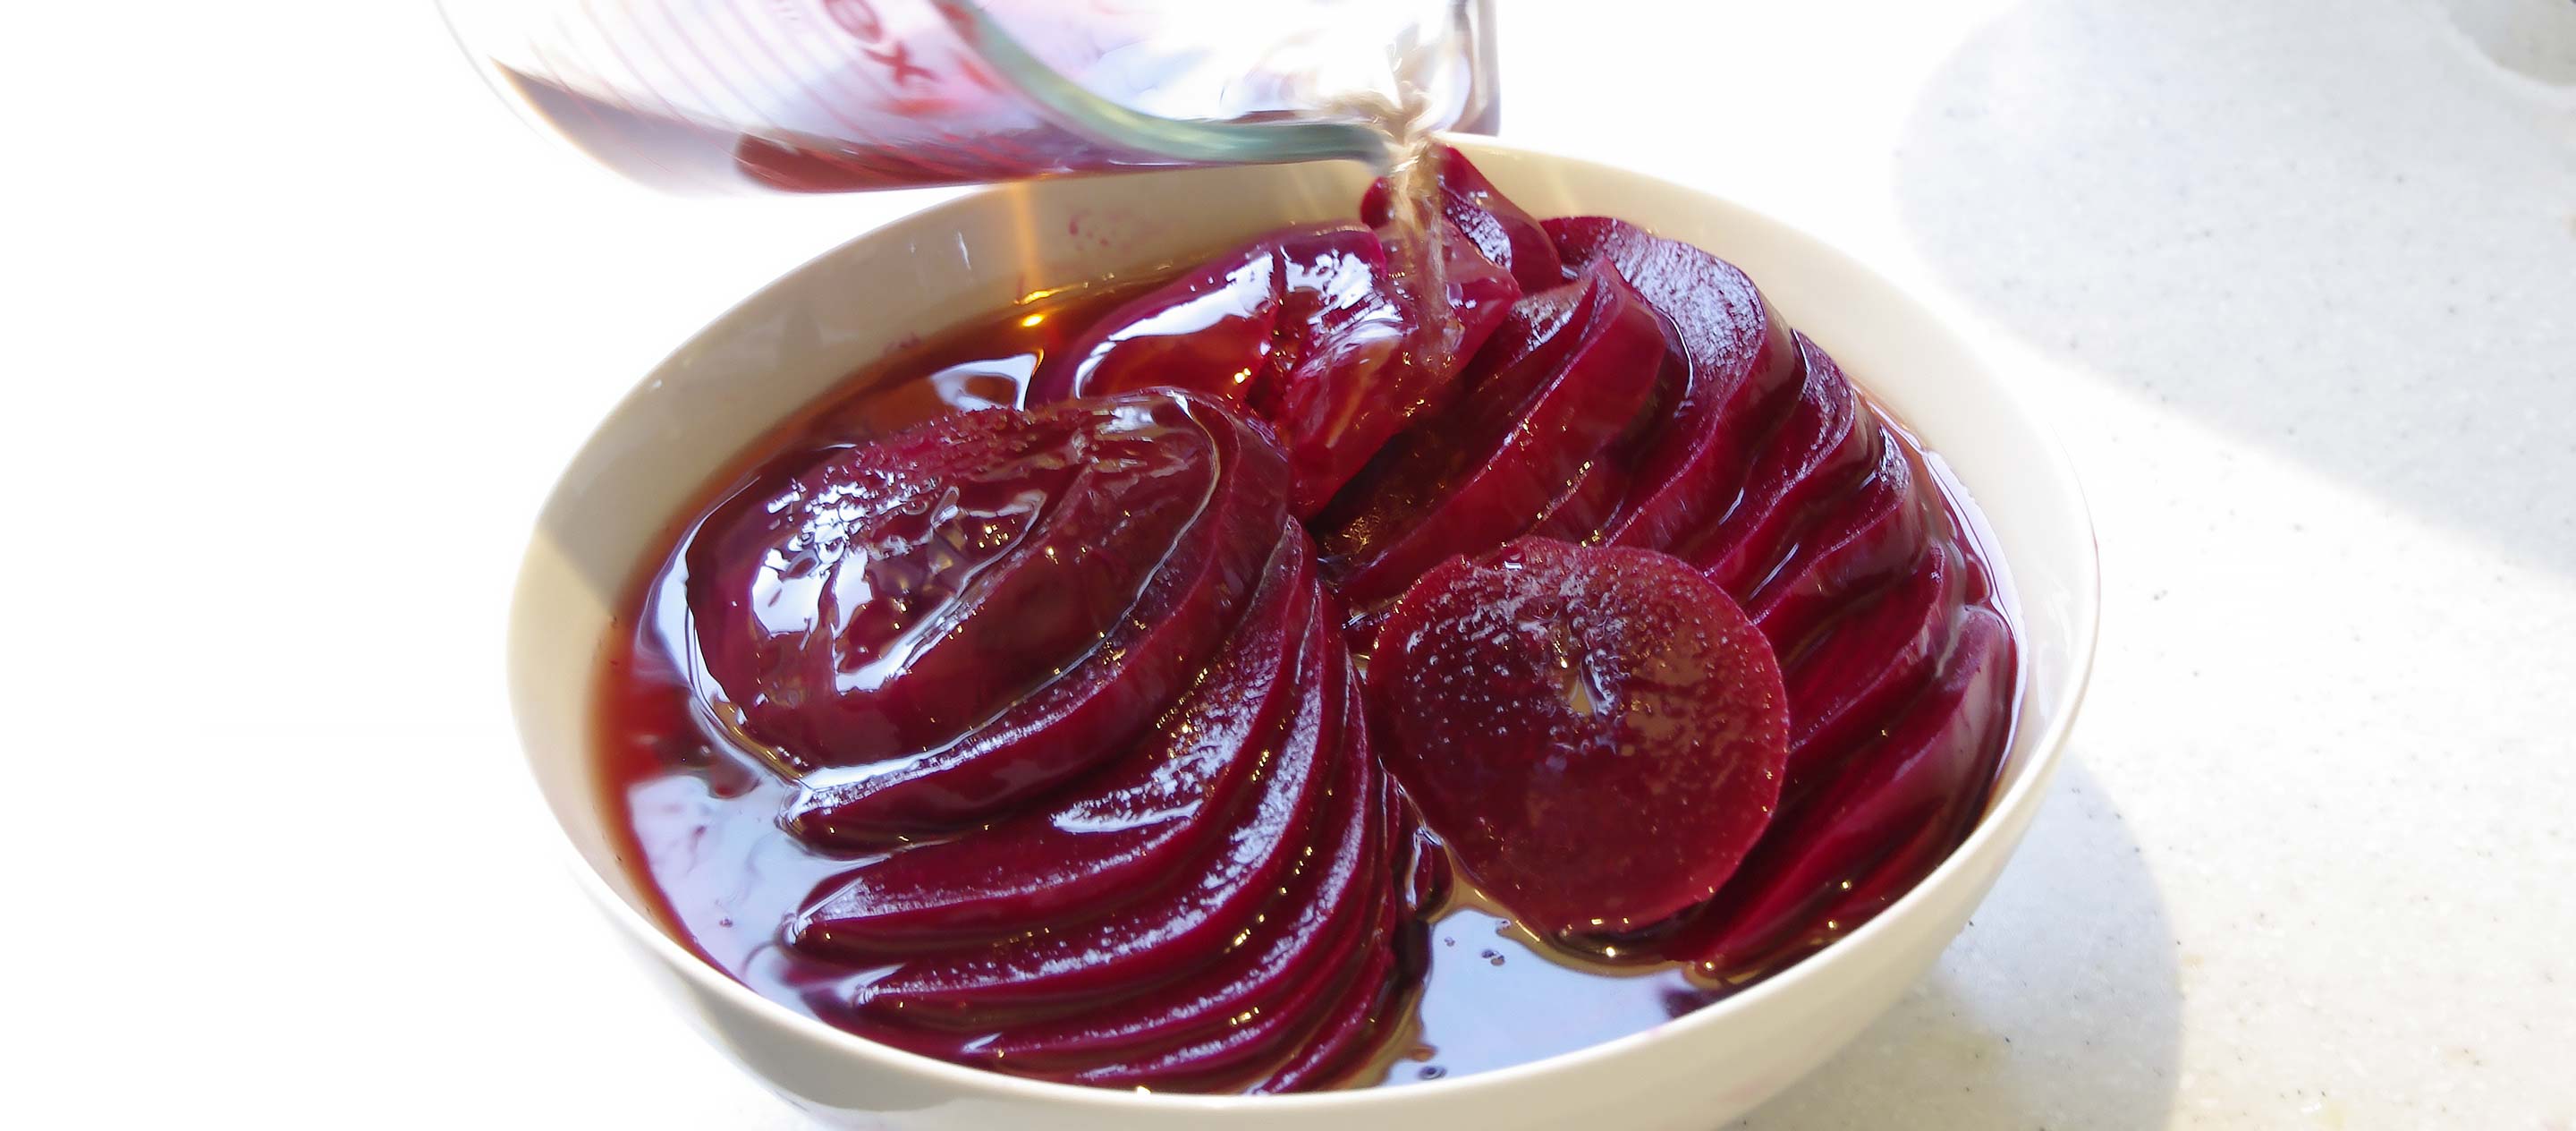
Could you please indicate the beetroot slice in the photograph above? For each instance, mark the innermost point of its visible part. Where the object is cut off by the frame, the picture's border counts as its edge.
(1866, 664)
(1580, 514)
(1174, 930)
(1826, 444)
(1308, 330)
(1569, 375)
(1360, 1021)
(1138, 666)
(1863, 539)
(817, 596)
(1334, 416)
(1233, 326)
(1315, 921)
(1156, 810)
(1917, 855)
(1510, 238)
(1357, 1019)
(1228, 1056)
(1932, 770)
(1744, 367)
(1598, 733)
(1284, 997)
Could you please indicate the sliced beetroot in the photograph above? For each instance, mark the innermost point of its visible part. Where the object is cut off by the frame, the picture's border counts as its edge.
(1610, 478)
(1357, 1023)
(1233, 326)
(1228, 1057)
(1154, 811)
(1931, 769)
(1189, 920)
(1509, 237)
(1309, 330)
(1568, 375)
(1597, 733)
(1356, 1016)
(1279, 996)
(788, 579)
(1316, 924)
(1862, 539)
(1914, 857)
(1092, 708)
(1829, 441)
(1743, 369)
(1866, 664)
(1421, 862)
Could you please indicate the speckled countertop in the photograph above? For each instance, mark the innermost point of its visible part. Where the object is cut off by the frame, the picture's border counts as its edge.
(2296, 278)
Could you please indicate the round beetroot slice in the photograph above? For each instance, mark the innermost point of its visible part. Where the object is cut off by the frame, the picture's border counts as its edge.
(880, 601)
(789, 579)
(1597, 732)
(931, 629)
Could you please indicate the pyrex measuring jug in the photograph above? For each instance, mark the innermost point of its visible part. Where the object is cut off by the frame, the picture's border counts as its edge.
(837, 95)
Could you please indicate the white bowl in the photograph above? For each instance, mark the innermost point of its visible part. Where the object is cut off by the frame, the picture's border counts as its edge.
(807, 331)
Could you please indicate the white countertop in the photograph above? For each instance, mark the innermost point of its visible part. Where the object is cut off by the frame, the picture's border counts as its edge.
(299, 334)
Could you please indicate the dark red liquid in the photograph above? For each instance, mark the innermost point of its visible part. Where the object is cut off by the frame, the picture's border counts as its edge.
(701, 817)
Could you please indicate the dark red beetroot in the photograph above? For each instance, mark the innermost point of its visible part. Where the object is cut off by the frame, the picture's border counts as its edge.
(1254, 929)
(1563, 379)
(1152, 813)
(1321, 913)
(1887, 815)
(1828, 444)
(1308, 330)
(1191, 914)
(1873, 658)
(933, 627)
(1598, 733)
(1865, 537)
(1280, 997)
(1355, 1016)
(1743, 368)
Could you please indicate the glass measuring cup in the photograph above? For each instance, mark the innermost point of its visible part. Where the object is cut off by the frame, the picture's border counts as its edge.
(843, 95)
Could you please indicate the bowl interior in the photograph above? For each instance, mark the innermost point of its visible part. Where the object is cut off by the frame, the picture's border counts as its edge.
(887, 289)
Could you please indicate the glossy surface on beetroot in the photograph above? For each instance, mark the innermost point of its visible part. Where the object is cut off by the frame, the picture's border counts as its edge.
(1559, 383)
(1315, 332)
(1552, 698)
(1037, 738)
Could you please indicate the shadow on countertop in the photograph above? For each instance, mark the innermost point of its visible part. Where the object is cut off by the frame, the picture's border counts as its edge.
(2060, 1007)
(2337, 230)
